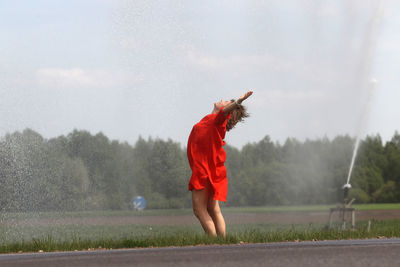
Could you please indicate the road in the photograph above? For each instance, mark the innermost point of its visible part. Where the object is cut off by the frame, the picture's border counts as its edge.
(372, 252)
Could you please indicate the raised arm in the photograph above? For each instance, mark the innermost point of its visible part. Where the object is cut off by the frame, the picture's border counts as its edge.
(228, 108)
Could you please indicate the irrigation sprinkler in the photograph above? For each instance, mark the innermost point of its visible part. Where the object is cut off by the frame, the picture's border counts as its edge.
(343, 209)
(370, 42)
(346, 189)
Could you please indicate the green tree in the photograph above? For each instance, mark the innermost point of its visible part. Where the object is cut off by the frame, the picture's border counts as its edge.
(167, 171)
(387, 193)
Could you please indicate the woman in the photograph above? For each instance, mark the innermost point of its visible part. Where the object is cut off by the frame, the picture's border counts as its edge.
(206, 157)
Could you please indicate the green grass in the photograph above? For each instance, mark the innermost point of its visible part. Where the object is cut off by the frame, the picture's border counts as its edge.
(379, 206)
(308, 208)
(67, 238)
(14, 238)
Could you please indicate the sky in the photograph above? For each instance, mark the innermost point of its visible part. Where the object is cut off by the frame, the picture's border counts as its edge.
(130, 68)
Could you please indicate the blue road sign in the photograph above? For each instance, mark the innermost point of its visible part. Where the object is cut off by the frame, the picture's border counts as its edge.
(139, 203)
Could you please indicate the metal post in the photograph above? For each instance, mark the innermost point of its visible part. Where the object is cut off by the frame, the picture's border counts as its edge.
(330, 218)
(344, 217)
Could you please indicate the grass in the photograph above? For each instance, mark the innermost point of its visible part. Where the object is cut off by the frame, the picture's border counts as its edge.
(308, 208)
(377, 206)
(164, 212)
(17, 238)
(132, 236)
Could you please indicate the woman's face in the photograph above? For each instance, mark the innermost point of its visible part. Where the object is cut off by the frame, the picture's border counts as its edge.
(221, 104)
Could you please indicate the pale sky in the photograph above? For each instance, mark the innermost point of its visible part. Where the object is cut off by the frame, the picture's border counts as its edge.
(155, 68)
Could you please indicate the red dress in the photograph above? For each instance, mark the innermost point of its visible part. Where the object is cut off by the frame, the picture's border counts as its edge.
(206, 155)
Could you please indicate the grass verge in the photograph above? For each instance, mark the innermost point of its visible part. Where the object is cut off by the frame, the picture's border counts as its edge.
(172, 236)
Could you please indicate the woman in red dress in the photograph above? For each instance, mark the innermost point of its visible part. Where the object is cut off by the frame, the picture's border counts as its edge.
(206, 156)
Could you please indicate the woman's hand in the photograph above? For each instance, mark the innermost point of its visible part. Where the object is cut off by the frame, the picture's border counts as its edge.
(231, 106)
(245, 96)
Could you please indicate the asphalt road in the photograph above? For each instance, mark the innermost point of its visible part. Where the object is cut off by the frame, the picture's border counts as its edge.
(372, 252)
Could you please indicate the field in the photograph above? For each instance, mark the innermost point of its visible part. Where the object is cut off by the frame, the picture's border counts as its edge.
(117, 229)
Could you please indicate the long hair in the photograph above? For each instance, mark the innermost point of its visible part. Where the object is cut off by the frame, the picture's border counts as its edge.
(237, 115)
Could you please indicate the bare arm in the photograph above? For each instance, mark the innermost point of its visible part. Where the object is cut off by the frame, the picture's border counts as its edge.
(228, 108)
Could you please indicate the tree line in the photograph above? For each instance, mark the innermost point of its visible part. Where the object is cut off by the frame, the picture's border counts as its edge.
(81, 171)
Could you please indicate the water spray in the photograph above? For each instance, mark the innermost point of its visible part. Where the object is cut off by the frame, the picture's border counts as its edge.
(363, 122)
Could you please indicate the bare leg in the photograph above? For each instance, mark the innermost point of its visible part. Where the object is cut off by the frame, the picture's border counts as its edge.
(199, 201)
(215, 212)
